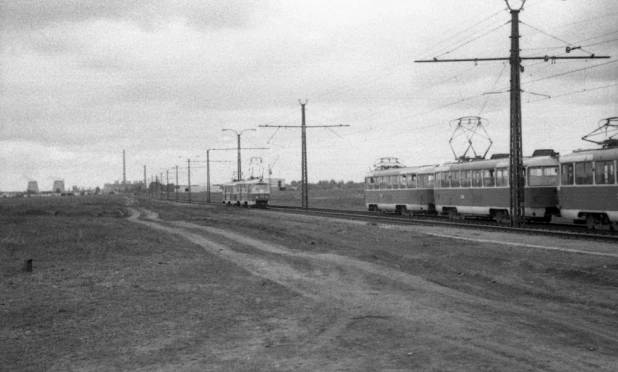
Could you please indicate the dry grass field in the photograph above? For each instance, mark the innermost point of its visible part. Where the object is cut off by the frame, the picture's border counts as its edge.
(120, 284)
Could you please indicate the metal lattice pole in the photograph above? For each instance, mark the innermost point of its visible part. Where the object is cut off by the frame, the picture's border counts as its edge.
(304, 177)
(189, 172)
(516, 170)
(208, 176)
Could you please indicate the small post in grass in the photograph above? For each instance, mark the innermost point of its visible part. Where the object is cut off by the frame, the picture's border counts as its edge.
(27, 266)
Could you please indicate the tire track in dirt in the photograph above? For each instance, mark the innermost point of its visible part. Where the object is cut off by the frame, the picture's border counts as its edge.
(348, 283)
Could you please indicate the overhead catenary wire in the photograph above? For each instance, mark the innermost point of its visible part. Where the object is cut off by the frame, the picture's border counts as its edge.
(470, 41)
(416, 117)
(426, 53)
(552, 36)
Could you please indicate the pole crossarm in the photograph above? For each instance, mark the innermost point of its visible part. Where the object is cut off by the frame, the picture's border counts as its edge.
(545, 58)
(303, 127)
(300, 126)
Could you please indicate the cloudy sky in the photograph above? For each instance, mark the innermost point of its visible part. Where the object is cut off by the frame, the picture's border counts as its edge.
(81, 81)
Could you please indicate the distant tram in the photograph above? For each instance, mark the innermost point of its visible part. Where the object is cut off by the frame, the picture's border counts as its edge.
(249, 193)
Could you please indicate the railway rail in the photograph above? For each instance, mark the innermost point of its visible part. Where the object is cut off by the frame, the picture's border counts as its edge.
(578, 232)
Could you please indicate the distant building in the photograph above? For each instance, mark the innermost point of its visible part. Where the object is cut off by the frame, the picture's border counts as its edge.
(33, 187)
(278, 183)
(58, 186)
(118, 187)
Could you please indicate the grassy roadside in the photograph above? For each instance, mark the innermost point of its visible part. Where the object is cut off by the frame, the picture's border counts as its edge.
(105, 294)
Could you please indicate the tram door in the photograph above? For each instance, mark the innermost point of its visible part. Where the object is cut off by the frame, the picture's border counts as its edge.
(243, 192)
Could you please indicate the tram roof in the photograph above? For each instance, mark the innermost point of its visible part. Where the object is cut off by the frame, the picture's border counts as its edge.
(245, 182)
(590, 155)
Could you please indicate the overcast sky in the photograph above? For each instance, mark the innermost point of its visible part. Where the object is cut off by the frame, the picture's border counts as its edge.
(81, 81)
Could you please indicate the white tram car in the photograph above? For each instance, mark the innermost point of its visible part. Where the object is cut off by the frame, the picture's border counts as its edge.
(249, 193)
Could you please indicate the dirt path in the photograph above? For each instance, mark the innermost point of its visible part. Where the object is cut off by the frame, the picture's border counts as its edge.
(444, 327)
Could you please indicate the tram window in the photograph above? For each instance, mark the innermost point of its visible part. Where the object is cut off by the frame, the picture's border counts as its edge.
(477, 180)
(370, 183)
(442, 180)
(454, 176)
(502, 177)
(567, 174)
(488, 178)
(543, 176)
(583, 173)
(551, 176)
(259, 188)
(604, 172)
(430, 183)
(535, 176)
(422, 181)
(411, 181)
(465, 179)
(427, 181)
(403, 179)
(446, 182)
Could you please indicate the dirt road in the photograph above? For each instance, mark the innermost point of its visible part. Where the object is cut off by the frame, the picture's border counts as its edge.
(369, 298)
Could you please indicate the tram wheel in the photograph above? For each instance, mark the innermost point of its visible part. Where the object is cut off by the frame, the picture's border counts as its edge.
(590, 222)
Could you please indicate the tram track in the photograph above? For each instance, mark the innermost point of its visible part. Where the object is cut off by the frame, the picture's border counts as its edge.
(565, 231)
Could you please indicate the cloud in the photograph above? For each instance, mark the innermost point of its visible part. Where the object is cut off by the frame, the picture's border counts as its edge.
(148, 14)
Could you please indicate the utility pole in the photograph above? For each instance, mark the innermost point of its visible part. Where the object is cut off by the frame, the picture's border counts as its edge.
(145, 181)
(176, 187)
(304, 177)
(167, 187)
(303, 126)
(208, 169)
(517, 179)
(124, 172)
(239, 175)
(161, 189)
(208, 176)
(156, 185)
(189, 174)
(516, 170)
(189, 177)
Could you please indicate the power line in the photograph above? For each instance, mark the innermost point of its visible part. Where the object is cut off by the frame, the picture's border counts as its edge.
(568, 72)
(470, 41)
(426, 52)
(552, 36)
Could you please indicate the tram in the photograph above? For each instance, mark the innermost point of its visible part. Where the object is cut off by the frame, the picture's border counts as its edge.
(246, 193)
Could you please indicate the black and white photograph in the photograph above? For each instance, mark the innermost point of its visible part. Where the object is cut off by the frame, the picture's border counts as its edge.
(277, 185)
